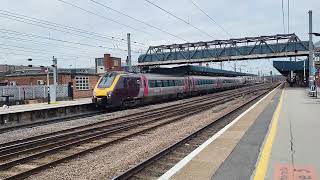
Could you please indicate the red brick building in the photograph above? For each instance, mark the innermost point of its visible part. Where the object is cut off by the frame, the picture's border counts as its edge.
(83, 83)
(107, 64)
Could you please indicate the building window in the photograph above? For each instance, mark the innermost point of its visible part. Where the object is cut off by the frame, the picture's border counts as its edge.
(82, 83)
(100, 61)
(115, 63)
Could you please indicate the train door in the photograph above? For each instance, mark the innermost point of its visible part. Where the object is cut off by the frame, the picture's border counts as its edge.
(145, 86)
(190, 83)
(120, 92)
(186, 85)
(133, 84)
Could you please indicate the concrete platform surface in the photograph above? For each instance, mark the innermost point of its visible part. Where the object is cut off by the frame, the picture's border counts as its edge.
(209, 158)
(40, 106)
(278, 139)
(295, 151)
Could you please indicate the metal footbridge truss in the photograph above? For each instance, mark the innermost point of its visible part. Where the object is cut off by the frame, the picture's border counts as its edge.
(281, 45)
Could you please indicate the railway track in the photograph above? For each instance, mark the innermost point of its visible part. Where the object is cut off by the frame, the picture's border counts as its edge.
(24, 157)
(84, 115)
(157, 165)
(138, 115)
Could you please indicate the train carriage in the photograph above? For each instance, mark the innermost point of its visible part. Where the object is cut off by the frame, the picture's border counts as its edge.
(119, 89)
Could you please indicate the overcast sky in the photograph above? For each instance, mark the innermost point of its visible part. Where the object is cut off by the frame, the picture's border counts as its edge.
(78, 48)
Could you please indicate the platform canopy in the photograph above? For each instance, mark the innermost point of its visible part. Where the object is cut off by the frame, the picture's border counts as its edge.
(287, 66)
(197, 70)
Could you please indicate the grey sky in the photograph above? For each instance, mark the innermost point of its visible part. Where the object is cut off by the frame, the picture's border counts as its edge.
(239, 17)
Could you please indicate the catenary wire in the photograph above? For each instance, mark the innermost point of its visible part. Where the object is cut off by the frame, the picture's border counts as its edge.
(55, 39)
(138, 20)
(214, 21)
(17, 19)
(103, 17)
(68, 27)
(173, 15)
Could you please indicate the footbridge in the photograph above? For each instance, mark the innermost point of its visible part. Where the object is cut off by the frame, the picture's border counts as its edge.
(275, 46)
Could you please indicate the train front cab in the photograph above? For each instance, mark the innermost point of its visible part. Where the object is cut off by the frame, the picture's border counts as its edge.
(103, 89)
(116, 89)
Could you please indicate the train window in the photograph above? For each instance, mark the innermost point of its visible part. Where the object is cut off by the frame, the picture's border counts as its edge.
(178, 82)
(107, 80)
(121, 83)
(159, 83)
(152, 83)
(171, 82)
(165, 83)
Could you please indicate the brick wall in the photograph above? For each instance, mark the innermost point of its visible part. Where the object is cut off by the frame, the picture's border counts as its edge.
(62, 79)
(25, 80)
(85, 93)
(112, 63)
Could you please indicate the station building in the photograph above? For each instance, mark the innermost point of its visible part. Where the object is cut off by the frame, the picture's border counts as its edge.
(83, 80)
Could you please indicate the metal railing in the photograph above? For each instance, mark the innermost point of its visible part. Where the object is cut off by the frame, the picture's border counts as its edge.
(30, 92)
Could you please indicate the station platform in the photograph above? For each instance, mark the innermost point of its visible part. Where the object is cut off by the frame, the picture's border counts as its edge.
(42, 106)
(276, 138)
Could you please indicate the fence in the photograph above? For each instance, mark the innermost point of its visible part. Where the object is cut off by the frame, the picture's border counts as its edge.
(30, 92)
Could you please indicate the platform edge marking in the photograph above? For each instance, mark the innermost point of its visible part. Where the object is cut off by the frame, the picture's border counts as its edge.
(195, 152)
(263, 161)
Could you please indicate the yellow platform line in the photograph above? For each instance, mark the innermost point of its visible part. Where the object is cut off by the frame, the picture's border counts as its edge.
(262, 166)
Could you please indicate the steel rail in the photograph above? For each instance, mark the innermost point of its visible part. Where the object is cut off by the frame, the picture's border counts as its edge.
(197, 110)
(121, 117)
(17, 150)
(136, 169)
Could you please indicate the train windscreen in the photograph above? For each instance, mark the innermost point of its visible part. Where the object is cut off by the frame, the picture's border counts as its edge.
(107, 80)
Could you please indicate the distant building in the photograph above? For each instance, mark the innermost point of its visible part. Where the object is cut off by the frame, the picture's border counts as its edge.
(107, 64)
(7, 69)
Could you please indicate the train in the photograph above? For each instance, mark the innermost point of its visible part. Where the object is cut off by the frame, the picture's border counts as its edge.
(122, 89)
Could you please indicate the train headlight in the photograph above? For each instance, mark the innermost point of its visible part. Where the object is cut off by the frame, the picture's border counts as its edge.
(108, 94)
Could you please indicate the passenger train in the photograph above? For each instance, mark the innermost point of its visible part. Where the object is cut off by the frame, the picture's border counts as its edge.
(120, 89)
